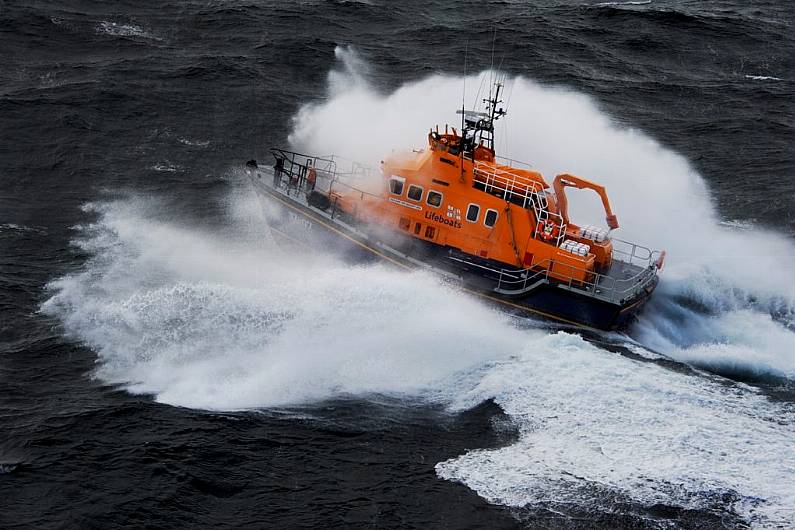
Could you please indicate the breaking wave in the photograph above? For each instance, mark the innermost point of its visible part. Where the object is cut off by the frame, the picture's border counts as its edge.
(720, 283)
(614, 4)
(124, 30)
(226, 320)
(217, 322)
(763, 78)
(597, 429)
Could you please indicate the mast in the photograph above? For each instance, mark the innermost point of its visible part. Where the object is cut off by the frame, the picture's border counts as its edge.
(494, 114)
(463, 116)
(478, 127)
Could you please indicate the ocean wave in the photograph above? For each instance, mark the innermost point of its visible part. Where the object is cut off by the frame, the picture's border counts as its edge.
(193, 143)
(125, 30)
(596, 426)
(166, 167)
(13, 227)
(652, 189)
(221, 323)
(229, 321)
(613, 4)
(763, 78)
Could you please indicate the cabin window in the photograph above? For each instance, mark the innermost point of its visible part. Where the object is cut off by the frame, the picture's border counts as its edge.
(490, 219)
(430, 232)
(405, 223)
(417, 228)
(396, 185)
(473, 212)
(434, 199)
(415, 193)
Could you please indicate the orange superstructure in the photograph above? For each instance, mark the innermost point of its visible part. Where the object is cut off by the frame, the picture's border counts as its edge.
(455, 194)
(455, 207)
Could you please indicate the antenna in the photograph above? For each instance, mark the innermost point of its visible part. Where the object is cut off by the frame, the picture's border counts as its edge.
(464, 92)
(463, 113)
(491, 68)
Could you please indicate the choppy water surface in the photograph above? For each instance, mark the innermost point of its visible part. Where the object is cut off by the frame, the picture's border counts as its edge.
(163, 362)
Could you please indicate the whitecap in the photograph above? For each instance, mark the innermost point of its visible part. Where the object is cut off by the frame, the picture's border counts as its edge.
(614, 4)
(124, 30)
(763, 78)
(167, 168)
(193, 143)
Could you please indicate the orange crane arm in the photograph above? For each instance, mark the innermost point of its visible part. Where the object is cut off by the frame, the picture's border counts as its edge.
(563, 180)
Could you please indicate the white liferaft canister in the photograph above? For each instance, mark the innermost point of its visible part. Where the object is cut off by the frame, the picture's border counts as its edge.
(594, 233)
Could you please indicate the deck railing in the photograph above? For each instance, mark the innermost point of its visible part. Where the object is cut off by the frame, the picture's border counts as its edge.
(520, 190)
(599, 285)
(294, 168)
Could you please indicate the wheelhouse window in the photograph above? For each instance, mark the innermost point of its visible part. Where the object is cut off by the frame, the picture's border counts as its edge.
(473, 212)
(415, 193)
(396, 184)
(490, 219)
(434, 199)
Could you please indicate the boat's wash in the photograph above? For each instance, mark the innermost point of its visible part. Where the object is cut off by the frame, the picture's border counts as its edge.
(462, 211)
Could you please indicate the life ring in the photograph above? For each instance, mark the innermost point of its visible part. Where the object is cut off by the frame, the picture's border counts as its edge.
(547, 230)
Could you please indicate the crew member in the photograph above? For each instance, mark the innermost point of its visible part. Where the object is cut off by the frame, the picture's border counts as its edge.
(278, 168)
(311, 177)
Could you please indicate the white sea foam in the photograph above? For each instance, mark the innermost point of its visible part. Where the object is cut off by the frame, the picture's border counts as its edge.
(726, 303)
(124, 30)
(763, 78)
(166, 167)
(227, 321)
(659, 198)
(193, 143)
(618, 4)
(594, 425)
(206, 321)
(13, 227)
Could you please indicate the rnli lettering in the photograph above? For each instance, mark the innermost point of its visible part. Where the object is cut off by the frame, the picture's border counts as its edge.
(444, 220)
(404, 203)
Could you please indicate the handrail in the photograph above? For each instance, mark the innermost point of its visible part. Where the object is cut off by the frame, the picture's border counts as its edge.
(501, 175)
(650, 256)
(301, 169)
(287, 152)
(296, 167)
(600, 285)
(501, 180)
(511, 161)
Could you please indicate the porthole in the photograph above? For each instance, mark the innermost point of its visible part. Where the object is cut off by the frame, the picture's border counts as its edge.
(473, 212)
(415, 193)
(434, 199)
(490, 219)
(396, 185)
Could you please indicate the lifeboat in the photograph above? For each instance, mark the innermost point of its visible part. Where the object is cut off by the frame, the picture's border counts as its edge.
(495, 226)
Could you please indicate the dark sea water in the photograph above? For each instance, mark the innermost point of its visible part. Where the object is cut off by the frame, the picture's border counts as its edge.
(159, 367)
